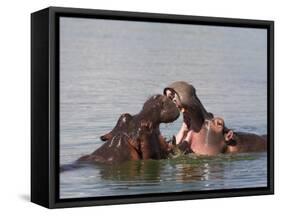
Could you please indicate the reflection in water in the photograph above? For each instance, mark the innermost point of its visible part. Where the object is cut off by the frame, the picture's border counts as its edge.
(156, 171)
(133, 171)
(184, 169)
(185, 173)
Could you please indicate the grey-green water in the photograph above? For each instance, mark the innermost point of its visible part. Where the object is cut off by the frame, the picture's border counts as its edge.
(187, 173)
(112, 67)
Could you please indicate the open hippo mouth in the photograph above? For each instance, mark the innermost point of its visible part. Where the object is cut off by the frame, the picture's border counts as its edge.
(206, 126)
(190, 131)
(211, 128)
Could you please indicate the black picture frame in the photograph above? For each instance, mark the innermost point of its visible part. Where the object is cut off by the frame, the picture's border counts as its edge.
(45, 105)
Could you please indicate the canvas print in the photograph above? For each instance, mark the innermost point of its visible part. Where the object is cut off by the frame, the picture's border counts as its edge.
(149, 107)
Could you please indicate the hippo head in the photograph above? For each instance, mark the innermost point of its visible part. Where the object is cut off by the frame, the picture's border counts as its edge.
(160, 109)
(212, 138)
(217, 132)
(184, 96)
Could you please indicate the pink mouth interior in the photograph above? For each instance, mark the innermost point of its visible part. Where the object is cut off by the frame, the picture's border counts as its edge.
(187, 121)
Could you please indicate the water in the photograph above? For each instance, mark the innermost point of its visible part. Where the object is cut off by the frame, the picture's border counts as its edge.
(187, 173)
(111, 67)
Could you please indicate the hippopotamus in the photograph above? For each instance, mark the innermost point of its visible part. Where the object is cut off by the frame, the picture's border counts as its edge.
(184, 96)
(137, 137)
(215, 138)
(204, 134)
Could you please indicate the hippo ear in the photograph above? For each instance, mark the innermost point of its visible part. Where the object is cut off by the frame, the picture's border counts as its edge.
(228, 136)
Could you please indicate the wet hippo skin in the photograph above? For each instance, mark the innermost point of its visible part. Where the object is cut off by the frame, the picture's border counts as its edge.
(246, 142)
(215, 138)
(137, 137)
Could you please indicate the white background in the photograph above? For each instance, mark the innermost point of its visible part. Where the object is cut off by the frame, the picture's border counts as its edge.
(15, 107)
